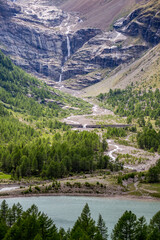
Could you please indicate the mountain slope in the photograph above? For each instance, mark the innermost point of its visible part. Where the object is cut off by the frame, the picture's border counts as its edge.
(60, 46)
(98, 13)
(43, 39)
(144, 22)
(144, 72)
(23, 93)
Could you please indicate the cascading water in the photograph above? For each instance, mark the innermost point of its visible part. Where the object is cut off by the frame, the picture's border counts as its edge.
(68, 52)
(60, 77)
(84, 126)
(68, 47)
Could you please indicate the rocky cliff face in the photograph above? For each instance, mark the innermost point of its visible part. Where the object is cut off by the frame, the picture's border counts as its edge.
(103, 51)
(144, 22)
(35, 36)
(48, 42)
(7, 10)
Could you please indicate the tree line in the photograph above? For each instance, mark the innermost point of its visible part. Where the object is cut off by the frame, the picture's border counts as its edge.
(34, 225)
(133, 103)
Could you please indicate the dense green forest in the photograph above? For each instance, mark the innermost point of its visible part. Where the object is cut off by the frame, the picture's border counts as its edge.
(29, 145)
(23, 93)
(70, 152)
(149, 139)
(133, 103)
(34, 225)
(12, 130)
(29, 119)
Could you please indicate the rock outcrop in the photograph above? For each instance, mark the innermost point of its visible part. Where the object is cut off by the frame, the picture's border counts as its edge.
(144, 22)
(7, 10)
(104, 51)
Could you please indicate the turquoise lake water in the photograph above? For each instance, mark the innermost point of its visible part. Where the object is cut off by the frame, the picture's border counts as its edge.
(64, 210)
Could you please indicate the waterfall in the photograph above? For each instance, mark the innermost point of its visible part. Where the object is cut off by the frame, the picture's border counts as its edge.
(68, 55)
(68, 47)
(68, 52)
(60, 77)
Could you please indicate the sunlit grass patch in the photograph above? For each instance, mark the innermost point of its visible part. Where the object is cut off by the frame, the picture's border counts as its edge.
(5, 176)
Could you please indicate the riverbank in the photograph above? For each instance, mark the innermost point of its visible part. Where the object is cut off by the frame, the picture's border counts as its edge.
(90, 186)
(120, 197)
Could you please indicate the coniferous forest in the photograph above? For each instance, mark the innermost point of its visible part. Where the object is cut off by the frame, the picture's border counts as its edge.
(33, 142)
(137, 106)
(133, 102)
(72, 152)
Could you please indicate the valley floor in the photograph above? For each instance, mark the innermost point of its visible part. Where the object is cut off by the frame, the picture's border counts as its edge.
(100, 183)
(135, 159)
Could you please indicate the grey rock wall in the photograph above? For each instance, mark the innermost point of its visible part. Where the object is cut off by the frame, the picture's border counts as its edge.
(34, 34)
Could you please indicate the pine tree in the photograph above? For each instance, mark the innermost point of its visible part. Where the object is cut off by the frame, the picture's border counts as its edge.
(102, 228)
(141, 229)
(154, 227)
(85, 224)
(125, 229)
(4, 210)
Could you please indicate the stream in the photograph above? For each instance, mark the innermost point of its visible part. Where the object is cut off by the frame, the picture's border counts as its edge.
(116, 149)
(5, 189)
(146, 159)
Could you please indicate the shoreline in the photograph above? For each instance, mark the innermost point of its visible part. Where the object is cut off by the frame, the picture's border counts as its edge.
(116, 196)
